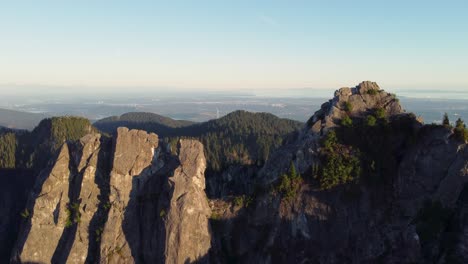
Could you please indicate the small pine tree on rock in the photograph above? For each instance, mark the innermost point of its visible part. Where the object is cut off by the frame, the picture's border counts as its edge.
(460, 131)
(446, 121)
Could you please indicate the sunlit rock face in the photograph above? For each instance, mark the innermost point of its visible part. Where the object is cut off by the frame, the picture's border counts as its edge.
(122, 200)
(356, 101)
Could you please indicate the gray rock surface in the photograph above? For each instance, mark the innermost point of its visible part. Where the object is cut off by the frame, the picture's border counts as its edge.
(363, 98)
(64, 207)
(188, 233)
(362, 223)
(133, 156)
(47, 216)
(129, 200)
(88, 196)
(88, 204)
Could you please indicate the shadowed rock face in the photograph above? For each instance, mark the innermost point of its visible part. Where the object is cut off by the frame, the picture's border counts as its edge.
(85, 197)
(355, 103)
(47, 208)
(90, 205)
(62, 206)
(356, 223)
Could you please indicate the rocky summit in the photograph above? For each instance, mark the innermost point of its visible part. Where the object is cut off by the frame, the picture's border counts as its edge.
(362, 182)
(354, 101)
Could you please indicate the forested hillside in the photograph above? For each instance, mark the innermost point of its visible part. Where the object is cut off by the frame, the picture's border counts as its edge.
(240, 137)
(26, 150)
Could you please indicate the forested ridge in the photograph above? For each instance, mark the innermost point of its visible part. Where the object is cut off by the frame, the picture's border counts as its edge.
(240, 137)
(32, 150)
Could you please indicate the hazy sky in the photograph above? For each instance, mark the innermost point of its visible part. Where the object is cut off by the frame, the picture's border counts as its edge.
(219, 45)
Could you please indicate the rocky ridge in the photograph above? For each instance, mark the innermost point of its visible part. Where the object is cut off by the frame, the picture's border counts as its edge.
(88, 203)
(355, 103)
(360, 100)
(360, 222)
(129, 200)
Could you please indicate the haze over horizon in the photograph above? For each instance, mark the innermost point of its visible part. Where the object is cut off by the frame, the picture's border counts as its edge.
(114, 46)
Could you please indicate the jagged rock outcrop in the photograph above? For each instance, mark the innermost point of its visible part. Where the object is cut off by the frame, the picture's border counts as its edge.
(356, 103)
(131, 200)
(92, 204)
(365, 222)
(353, 101)
(47, 210)
(188, 235)
(88, 188)
(132, 164)
(63, 206)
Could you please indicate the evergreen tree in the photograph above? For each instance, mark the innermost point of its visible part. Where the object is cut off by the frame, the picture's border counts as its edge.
(292, 171)
(460, 131)
(446, 121)
(460, 124)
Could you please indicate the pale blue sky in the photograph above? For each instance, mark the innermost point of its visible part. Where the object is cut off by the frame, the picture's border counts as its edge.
(218, 45)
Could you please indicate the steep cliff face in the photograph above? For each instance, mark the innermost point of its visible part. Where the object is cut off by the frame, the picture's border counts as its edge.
(88, 190)
(347, 103)
(47, 209)
(364, 222)
(187, 227)
(132, 164)
(92, 204)
(62, 205)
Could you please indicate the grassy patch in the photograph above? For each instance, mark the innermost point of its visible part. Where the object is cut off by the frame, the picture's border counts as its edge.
(372, 92)
(348, 107)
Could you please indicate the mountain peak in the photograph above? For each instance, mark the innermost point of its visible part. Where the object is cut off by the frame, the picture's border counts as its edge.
(364, 99)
